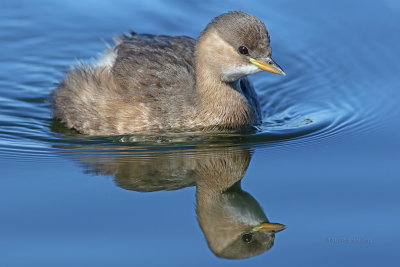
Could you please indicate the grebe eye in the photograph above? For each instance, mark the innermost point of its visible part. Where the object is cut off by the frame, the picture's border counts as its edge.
(247, 237)
(243, 50)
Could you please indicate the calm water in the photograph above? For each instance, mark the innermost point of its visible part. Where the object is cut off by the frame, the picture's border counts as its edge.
(325, 162)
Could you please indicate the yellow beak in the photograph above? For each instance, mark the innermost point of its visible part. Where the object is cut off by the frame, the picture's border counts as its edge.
(267, 64)
(269, 227)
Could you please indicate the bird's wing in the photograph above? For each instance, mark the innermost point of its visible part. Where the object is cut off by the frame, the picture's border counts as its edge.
(155, 63)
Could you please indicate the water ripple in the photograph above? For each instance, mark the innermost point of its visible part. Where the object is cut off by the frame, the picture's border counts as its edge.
(325, 93)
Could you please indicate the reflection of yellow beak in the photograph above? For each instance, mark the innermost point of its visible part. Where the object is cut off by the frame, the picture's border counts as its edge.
(267, 64)
(269, 227)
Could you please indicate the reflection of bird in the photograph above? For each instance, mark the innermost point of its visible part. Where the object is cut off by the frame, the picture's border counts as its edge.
(151, 83)
(233, 222)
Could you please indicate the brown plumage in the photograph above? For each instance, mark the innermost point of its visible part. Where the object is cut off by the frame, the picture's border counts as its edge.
(150, 83)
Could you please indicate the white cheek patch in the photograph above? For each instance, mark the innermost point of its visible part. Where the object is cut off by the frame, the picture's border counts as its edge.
(233, 73)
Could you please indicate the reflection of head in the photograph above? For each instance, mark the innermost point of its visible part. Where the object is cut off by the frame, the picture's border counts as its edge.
(229, 233)
(232, 221)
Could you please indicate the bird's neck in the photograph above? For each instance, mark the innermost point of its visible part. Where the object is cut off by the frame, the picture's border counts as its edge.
(218, 102)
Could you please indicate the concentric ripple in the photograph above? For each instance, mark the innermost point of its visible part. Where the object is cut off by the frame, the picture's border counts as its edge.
(325, 93)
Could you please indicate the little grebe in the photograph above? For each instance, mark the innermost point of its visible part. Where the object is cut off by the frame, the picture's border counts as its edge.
(154, 83)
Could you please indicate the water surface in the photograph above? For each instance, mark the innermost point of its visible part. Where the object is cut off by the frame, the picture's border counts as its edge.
(324, 162)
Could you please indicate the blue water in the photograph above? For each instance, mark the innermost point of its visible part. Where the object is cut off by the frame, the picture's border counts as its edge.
(325, 161)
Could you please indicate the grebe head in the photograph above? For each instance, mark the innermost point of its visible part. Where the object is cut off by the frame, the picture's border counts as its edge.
(234, 45)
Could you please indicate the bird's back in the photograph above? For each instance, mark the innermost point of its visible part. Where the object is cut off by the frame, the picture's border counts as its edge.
(161, 64)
